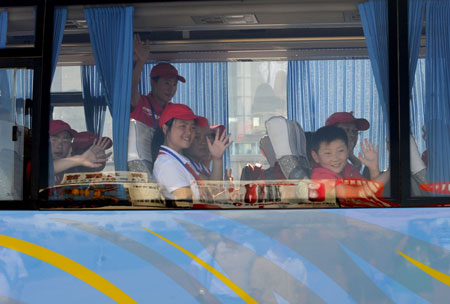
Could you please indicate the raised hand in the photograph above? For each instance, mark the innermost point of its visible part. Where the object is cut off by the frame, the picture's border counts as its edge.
(220, 144)
(369, 155)
(141, 49)
(96, 155)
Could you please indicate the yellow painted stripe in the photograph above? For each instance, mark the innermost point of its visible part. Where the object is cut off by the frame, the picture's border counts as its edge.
(432, 272)
(241, 293)
(67, 265)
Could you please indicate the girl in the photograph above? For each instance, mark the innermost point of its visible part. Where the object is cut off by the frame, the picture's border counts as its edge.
(172, 169)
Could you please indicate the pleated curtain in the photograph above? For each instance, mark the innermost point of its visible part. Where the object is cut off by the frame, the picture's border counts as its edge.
(111, 34)
(318, 88)
(93, 99)
(5, 77)
(437, 101)
(416, 13)
(374, 19)
(59, 22)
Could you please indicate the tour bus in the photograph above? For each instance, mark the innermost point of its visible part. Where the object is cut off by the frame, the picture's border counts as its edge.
(325, 138)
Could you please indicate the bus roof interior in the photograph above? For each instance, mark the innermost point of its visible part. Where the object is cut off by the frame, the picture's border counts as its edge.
(242, 30)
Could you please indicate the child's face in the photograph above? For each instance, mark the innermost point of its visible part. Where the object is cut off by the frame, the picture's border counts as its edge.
(181, 135)
(332, 156)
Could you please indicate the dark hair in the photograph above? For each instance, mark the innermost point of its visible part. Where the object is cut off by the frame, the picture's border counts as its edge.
(326, 135)
(156, 78)
(158, 139)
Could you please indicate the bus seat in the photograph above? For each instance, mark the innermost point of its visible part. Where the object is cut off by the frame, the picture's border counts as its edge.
(266, 148)
(289, 144)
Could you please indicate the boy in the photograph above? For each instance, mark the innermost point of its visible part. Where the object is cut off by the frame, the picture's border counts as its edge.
(330, 152)
(352, 127)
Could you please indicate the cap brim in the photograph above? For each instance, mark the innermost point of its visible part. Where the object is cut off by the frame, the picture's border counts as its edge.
(181, 78)
(362, 124)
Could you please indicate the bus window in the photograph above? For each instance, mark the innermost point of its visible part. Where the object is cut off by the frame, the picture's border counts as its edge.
(429, 129)
(15, 121)
(272, 88)
(19, 24)
(256, 92)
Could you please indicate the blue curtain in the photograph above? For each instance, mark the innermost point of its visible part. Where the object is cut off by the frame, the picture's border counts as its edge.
(5, 77)
(3, 29)
(59, 23)
(374, 19)
(111, 33)
(58, 32)
(416, 12)
(24, 91)
(318, 88)
(205, 90)
(437, 107)
(417, 104)
(93, 99)
(144, 83)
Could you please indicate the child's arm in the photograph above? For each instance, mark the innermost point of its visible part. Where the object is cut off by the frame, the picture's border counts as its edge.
(217, 149)
(141, 52)
(369, 157)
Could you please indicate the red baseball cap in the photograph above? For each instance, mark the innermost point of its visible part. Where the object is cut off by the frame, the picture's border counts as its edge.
(221, 129)
(361, 123)
(58, 126)
(83, 140)
(180, 111)
(166, 70)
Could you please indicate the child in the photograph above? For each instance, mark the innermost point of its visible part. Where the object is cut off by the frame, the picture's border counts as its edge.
(199, 155)
(172, 169)
(330, 152)
(62, 143)
(352, 127)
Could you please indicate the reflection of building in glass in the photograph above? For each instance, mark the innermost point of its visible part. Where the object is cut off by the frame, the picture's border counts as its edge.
(257, 91)
(266, 104)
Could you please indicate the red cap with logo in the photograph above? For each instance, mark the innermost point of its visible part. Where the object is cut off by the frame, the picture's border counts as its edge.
(338, 117)
(58, 126)
(166, 70)
(180, 111)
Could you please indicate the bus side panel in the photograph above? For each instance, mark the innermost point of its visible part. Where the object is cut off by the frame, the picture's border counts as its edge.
(248, 256)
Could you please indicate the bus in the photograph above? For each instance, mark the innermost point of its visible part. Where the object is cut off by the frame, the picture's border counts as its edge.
(227, 151)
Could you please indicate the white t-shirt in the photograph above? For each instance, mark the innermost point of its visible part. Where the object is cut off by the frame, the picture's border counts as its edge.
(172, 175)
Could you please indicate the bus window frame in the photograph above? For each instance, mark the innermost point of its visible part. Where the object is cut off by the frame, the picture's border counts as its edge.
(39, 58)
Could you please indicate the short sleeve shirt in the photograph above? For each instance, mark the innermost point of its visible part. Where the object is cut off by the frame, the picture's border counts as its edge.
(348, 172)
(172, 175)
(146, 108)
